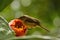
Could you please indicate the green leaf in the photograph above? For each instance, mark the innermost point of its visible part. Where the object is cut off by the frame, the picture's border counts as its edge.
(34, 37)
(4, 3)
(5, 30)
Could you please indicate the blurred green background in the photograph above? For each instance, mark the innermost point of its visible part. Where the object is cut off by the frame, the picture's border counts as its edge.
(47, 11)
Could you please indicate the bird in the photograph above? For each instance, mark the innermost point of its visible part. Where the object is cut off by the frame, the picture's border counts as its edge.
(32, 22)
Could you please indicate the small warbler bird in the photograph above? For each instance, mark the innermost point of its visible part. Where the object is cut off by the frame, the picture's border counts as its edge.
(31, 22)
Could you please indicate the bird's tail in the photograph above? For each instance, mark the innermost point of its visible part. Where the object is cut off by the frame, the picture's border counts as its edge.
(44, 28)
